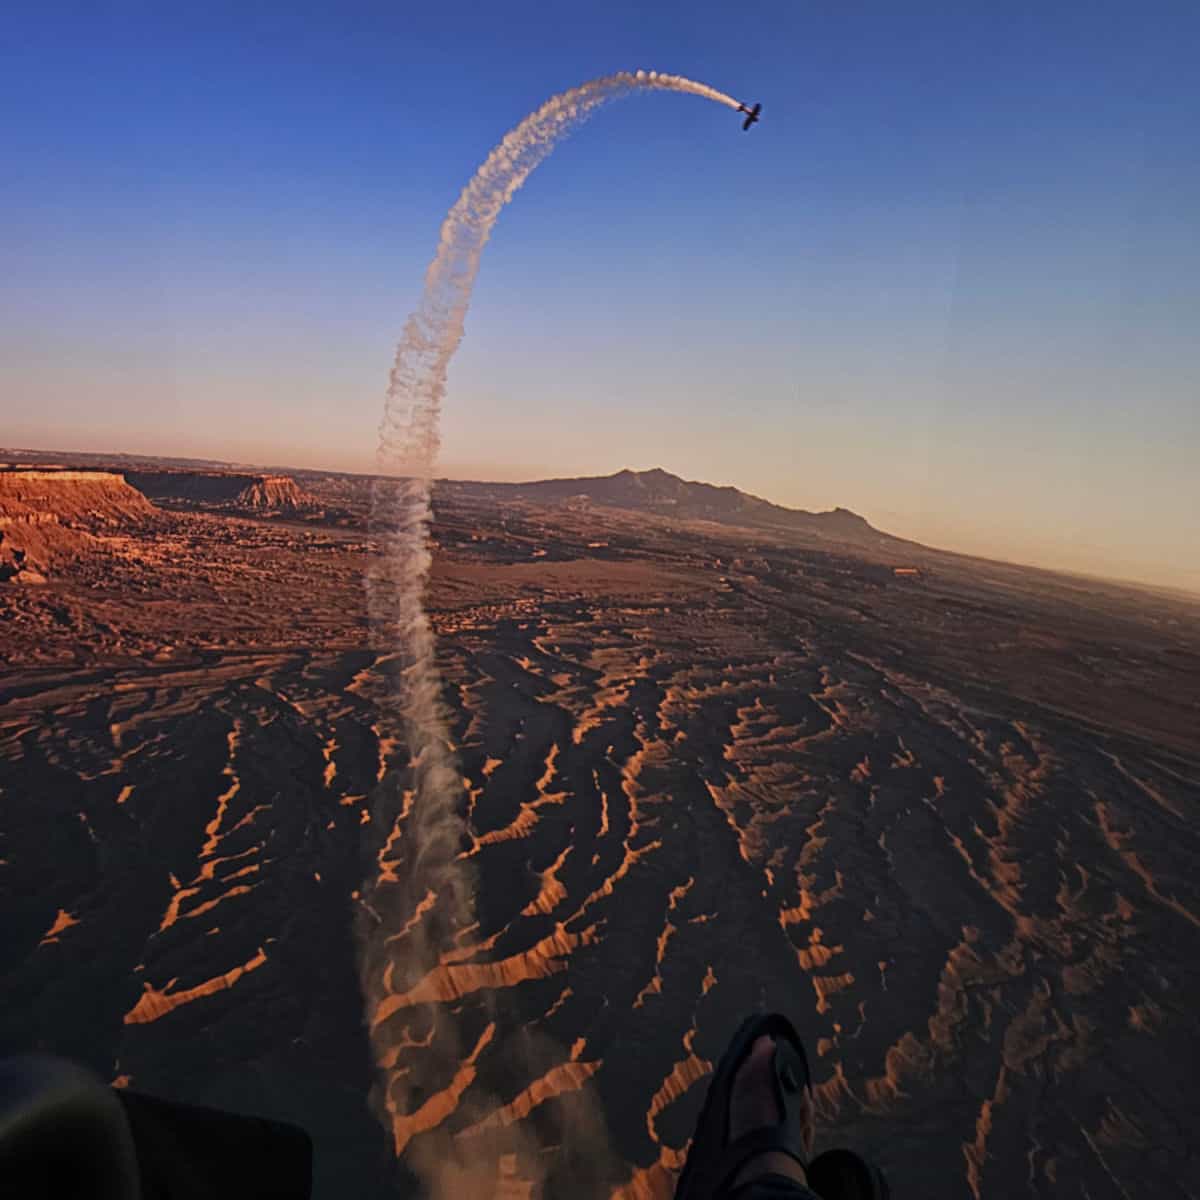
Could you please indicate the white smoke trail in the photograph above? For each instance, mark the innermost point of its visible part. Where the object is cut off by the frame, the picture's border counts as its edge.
(422, 900)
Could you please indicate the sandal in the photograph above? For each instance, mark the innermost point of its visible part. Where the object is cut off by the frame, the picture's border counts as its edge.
(844, 1175)
(713, 1161)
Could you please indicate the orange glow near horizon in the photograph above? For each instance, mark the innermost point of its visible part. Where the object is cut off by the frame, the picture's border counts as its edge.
(1003, 523)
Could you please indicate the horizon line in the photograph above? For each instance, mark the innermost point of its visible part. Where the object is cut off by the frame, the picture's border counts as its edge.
(1171, 590)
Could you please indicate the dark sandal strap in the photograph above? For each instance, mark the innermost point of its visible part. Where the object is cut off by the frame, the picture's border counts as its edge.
(842, 1174)
(760, 1141)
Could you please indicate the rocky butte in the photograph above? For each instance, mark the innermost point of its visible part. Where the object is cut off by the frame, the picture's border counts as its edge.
(48, 515)
(227, 491)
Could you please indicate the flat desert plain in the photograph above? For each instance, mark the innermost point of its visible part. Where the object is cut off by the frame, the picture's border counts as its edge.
(941, 811)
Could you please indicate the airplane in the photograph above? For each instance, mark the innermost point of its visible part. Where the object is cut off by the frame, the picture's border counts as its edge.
(751, 114)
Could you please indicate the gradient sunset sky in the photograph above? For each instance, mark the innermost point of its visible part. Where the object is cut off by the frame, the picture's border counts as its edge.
(951, 281)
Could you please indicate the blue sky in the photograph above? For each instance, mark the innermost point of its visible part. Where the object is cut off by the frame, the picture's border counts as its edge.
(950, 281)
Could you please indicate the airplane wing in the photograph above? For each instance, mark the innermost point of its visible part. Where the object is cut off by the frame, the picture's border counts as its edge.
(747, 122)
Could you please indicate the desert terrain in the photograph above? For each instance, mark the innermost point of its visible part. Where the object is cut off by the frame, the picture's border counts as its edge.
(716, 756)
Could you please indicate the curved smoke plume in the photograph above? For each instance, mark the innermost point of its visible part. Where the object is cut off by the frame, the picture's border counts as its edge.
(418, 904)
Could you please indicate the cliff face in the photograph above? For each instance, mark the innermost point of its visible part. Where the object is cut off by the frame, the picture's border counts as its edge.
(91, 498)
(49, 516)
(228, 491)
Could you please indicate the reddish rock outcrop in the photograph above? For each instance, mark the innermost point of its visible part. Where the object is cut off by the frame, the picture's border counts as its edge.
(226, 491)
(276, 493)
(48, 516)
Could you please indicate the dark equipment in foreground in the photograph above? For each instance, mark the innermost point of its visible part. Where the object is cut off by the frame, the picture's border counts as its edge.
(751, 114)
(64, 1134)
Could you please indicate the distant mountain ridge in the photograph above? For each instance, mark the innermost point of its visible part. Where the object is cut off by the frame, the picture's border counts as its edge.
(660, 492)
(282, 490)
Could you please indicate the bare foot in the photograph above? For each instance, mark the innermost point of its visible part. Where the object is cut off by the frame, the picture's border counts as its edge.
(752, 1105)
